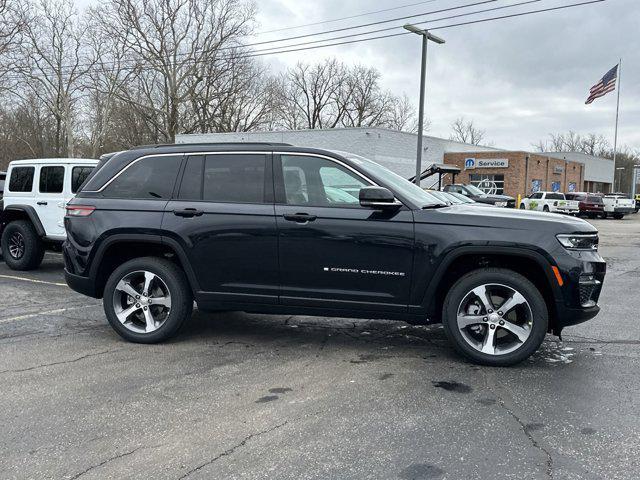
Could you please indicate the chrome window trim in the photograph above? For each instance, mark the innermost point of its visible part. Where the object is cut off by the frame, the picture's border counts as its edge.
(176, 154)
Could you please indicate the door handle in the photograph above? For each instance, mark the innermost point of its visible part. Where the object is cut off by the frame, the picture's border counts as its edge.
(188, 213)
(42, 203)
(299, 217)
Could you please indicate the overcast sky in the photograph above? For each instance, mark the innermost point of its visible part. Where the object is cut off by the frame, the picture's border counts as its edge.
(519, 79)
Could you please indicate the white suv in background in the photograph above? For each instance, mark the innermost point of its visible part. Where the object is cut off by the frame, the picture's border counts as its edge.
(33, 208)
(554, 202)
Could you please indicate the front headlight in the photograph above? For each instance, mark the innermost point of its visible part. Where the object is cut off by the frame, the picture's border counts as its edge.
(500, 204)
(587, 241)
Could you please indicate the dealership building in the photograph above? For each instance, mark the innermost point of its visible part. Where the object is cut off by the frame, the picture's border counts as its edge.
(492, 169)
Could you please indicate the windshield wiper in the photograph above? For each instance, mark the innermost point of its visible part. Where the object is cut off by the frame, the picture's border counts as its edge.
(434, 205)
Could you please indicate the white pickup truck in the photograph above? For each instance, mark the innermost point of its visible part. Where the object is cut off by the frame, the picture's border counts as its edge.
(617, 205)
(554, 202)
(33, 207)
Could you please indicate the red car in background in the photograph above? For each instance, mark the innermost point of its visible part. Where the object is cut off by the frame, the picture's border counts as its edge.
(590, 204)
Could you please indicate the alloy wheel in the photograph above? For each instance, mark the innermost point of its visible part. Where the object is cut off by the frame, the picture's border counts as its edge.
(142, 301)
(16, 246)
(494, 319)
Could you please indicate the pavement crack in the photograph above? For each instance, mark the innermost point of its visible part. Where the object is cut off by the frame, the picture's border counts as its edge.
(110, 459)
(232, 449)
(534, 442)
(35, 367)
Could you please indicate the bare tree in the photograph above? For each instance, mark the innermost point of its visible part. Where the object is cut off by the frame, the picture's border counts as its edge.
(401, 115)
(590, 144)
(466, 132)
(52, 62)
(170, 43)
(361, 101)
(13, 21)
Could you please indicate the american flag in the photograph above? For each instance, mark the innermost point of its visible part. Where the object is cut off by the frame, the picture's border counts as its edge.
(605, 85)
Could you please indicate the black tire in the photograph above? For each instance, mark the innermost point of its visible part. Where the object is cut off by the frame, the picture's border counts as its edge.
(604, 215)
(512, 280)
(522, 206)
(545, 208)
(618, 216)
(32, 246)
(181, 298)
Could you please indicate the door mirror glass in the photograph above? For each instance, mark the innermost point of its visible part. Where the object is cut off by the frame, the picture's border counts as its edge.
(378, 198)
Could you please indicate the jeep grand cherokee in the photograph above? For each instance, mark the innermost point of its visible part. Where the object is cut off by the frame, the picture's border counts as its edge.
(273, 228)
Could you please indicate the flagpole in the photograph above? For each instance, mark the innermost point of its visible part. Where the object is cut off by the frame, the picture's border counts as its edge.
(615, 135)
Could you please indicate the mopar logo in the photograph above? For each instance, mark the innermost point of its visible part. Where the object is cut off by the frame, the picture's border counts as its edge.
(469, 163)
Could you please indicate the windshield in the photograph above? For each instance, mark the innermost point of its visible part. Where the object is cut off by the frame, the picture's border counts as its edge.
(442, 196)
(475, 190)
(404, 187)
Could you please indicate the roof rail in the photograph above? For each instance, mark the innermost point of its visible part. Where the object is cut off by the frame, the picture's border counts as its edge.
(205, 144)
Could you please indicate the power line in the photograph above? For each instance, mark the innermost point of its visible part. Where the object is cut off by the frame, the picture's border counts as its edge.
(395, 27)
(324, 22)
(348, 42)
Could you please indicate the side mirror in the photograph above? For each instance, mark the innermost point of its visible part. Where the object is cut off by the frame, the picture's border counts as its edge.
(378, 198)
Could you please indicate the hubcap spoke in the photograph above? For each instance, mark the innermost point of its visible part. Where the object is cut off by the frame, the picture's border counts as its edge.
(163, 301)
(123, 316)
(488, 344)
(149, 320)
(148, 278)
(511, 303)
(518, 331)
(465, 320)
(483, 294)
(127, 288)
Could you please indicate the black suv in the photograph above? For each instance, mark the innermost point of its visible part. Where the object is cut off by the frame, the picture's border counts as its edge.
(272, 228)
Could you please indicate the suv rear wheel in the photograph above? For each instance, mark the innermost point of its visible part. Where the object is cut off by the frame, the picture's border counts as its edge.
(495, 317)
(147, 300)
(22, 248)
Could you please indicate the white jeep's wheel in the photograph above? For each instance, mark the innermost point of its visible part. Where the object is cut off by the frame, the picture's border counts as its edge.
(22, 248)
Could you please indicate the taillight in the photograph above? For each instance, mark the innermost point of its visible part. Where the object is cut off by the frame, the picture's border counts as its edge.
(79, 210)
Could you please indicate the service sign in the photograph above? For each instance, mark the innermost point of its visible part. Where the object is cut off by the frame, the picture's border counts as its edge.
(470, 163)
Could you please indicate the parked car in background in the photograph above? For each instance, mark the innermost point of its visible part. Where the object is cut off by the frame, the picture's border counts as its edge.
(32, 216)
(252, 227)
(458, 198)
(589, 204)
(3, 176)
(617, 205)
(554, 202)
(474, 193)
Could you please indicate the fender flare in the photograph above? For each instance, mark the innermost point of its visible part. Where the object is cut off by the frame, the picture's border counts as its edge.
(428, 301)
(144, 238)
(32, 214)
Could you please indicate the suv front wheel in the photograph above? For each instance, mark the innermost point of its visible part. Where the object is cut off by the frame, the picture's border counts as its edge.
(147, 300)
(495, 317)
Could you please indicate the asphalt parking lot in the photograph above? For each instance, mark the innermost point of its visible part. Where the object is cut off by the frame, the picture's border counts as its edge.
(239, 396)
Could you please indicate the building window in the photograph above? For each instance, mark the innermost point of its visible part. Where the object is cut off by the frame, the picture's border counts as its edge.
(489, 183)
(555, 187)
(536, 185)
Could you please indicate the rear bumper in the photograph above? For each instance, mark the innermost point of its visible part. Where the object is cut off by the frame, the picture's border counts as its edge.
(624, 210)
(83, 285)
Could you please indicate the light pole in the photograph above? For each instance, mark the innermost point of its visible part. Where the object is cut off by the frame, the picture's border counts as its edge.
(426, 36)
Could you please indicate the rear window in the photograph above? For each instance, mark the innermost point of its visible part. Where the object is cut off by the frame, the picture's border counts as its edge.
(555, 196)
(594, 199)
(52, 179)
(21, 179)
(78, 176)
(152, 177)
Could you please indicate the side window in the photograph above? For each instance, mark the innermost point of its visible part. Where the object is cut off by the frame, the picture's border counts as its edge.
(52, 179)
(21, 179)
(316, 181)
(151, 177)
(234, 178)
(78, 176)
(537, 196)
(191, 185)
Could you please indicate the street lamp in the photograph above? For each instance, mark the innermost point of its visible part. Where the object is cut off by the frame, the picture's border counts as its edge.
(426, 36)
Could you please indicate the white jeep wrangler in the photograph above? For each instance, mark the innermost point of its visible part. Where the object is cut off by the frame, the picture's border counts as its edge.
(33, 207)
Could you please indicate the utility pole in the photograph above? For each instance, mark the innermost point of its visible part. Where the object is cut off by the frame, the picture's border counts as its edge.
(426, 36)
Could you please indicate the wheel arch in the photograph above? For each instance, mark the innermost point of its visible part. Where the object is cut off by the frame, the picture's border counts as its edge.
(12, 213)
(533, 265)
(120, 248)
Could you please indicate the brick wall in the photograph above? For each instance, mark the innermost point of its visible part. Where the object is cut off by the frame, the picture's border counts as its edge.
(520, 173)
